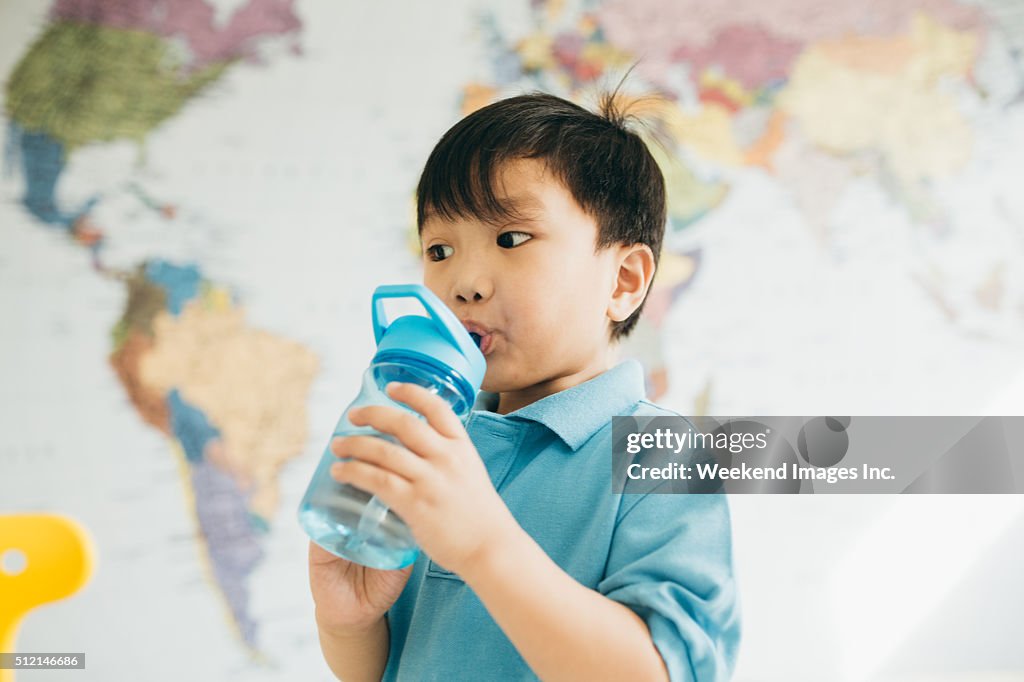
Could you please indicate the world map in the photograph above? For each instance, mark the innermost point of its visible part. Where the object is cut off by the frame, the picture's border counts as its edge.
(202, 288)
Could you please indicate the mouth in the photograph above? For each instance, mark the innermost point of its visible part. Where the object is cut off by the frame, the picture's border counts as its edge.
(481, 335)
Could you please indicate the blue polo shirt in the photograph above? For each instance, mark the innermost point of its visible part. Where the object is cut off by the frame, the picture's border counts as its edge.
(668, 557)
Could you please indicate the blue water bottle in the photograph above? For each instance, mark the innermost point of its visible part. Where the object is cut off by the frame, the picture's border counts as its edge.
(434, 351)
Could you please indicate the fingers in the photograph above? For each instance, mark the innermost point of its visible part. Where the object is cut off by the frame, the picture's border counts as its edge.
(381, 453)
(391, 488)
(438, 412)
(423, 438)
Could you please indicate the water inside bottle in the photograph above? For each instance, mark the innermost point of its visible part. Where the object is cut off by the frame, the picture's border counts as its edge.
(334, 526)
(350, 522)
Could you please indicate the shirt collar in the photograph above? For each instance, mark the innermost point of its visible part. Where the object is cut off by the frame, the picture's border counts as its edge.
(578, 412)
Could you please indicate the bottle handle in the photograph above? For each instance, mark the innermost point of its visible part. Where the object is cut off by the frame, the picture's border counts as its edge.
(442, 316)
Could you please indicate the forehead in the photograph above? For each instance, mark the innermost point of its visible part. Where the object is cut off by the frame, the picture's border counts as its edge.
(522, 187)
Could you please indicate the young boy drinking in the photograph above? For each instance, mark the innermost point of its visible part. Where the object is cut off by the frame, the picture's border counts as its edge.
(541, 225)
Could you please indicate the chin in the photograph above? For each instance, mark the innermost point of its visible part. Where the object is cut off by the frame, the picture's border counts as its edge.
(501, 381)
(493, 381)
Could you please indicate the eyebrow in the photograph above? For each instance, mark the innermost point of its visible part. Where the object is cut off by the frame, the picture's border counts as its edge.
(526, 207)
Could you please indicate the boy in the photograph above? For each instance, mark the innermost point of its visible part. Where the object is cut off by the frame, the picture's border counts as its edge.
(541, 225)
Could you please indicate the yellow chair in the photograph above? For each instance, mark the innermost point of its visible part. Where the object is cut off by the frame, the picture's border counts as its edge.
(58, 560)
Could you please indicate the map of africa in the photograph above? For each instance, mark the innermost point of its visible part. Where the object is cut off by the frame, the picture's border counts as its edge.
(200, 196)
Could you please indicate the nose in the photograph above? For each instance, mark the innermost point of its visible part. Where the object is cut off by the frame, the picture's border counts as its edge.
(473, 286)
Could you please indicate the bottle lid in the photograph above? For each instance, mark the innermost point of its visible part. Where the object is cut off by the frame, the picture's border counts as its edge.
(438, 339)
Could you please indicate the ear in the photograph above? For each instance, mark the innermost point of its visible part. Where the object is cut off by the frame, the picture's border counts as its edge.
(632, 280)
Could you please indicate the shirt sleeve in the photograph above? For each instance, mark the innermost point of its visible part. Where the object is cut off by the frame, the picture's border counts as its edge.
(671, 563)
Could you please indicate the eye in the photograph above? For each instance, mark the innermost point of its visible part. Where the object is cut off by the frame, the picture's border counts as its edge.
(432, 252)
(505, 239)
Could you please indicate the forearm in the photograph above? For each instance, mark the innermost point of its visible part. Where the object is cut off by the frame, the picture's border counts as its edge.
(563, 630)
(356, 656)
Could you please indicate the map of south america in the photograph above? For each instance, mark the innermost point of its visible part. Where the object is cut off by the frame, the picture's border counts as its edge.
(230, 398)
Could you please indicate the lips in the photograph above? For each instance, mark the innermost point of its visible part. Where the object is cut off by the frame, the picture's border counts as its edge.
(483, 336)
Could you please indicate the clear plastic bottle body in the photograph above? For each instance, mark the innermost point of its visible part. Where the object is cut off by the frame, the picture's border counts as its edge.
(348, 521)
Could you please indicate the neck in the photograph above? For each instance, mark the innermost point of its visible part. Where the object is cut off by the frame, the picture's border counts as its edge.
(510, 401)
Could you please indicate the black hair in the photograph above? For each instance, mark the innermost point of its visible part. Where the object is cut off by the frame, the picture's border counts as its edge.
(606, 167)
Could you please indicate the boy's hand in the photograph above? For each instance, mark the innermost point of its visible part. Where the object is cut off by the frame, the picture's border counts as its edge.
(349, 597)
(437, 483)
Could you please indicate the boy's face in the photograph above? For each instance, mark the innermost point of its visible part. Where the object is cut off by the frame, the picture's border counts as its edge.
(536, 285)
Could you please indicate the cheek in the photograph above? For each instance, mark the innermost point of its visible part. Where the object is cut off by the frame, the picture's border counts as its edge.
(551, 316)
(437, 284)
(526, 311)
(565, 292)
(549, 296)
